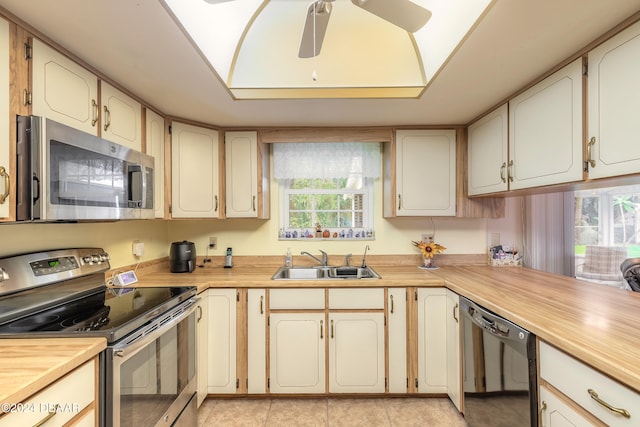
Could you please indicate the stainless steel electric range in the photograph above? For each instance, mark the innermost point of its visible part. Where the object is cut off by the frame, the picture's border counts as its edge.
(147, 372)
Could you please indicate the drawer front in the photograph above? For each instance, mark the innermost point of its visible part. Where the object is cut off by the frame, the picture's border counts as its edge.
(575, 379)
(65, 399)
(296, 299)
(348, 298)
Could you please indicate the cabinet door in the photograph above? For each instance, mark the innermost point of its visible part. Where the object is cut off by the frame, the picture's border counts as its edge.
(487, 153)
(202, 359)
(554, 412)
(454, 363)
(256, 341)
(297, 352)
(155, 147)
(614, 103)
(194, 164)
(356, 353)
(425, 173)
(432, 340)
(5, 151)
(121, 117)
(397, 308)
(241, 166)
(545, 133)
(222, 341)
(62, 90)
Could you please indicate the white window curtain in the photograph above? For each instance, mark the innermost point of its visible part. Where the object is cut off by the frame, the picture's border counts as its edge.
(326, 160)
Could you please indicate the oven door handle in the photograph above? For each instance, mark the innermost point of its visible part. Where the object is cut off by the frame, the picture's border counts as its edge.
(140, 339)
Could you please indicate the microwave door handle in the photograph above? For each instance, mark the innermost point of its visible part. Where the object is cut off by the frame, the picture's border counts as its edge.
(135, 185)
(36, 188)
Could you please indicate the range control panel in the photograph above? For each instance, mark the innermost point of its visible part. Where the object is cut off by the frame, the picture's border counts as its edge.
(53, 265)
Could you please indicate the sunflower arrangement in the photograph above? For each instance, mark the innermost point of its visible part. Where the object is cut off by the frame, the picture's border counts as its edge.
(430, 249)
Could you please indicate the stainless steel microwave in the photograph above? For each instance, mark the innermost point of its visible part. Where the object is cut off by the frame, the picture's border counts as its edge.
(64, 174)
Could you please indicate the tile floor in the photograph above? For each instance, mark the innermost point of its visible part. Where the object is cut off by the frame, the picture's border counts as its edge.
(334, 412)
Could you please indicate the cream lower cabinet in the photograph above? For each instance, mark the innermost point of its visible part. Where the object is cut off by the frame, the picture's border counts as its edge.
(202, 347)
(6, 160)
(256, 339)
(454, 356)
(555, 411)
(417, 151)
(432, 340)
(297, 352)
(397, 327)
(194, 172)
(221, 341)
(590, 394)
(71, 400)
(613, 105)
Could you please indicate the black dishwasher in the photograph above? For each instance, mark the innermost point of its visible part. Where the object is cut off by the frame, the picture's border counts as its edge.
(499, 370)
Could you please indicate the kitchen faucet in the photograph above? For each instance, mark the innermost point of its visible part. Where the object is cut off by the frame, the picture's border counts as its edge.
(364, 257)
(324, 261)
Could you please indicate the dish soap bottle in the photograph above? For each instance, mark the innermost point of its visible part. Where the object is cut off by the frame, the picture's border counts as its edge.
(288, 261)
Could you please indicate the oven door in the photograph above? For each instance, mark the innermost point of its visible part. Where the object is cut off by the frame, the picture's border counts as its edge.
(150, 375)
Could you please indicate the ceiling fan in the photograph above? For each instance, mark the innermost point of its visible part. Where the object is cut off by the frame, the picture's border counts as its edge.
(402, 13)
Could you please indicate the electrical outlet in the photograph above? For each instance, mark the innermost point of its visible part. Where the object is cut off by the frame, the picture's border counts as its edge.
(213, 242)
(138, 248)
(427, 237)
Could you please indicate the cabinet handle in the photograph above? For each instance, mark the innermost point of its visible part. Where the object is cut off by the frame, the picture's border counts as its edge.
(510, 171)
(321, 333)
(261, 304)
(454, 313)
(590, 161)
(107, 118)
(50, 415)
(502, 168)
(391, 298)
(27, 98)
(254, 203)
(620, 411)
(332, 329)
(399, 201)
(3, 173)
(216, 199)
(199, 310)
(96, 112)
(543, 407)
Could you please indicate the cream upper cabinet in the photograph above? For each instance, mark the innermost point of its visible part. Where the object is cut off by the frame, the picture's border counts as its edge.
(121, 117)
(432, 340)
(545, 131)
(397, 324)
(614, 105)
(155, 147)
(194, 172)
(62, 90)
(5, 147)
(487, 153)
(425, 173)
(246, 176)
(221, 341)
(356, 353)
(297, 352)
(256, 341)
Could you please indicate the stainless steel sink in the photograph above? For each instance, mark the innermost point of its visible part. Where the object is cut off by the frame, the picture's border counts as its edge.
(324, 273)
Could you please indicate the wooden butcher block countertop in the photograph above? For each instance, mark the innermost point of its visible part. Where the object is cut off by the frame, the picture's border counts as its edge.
(597, 324)
(29, 365)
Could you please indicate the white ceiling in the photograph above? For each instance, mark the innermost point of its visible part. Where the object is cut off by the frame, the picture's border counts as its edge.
(137, 44)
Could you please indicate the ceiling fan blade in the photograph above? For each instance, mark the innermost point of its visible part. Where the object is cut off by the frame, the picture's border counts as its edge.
(402, 13)
(318, 15)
